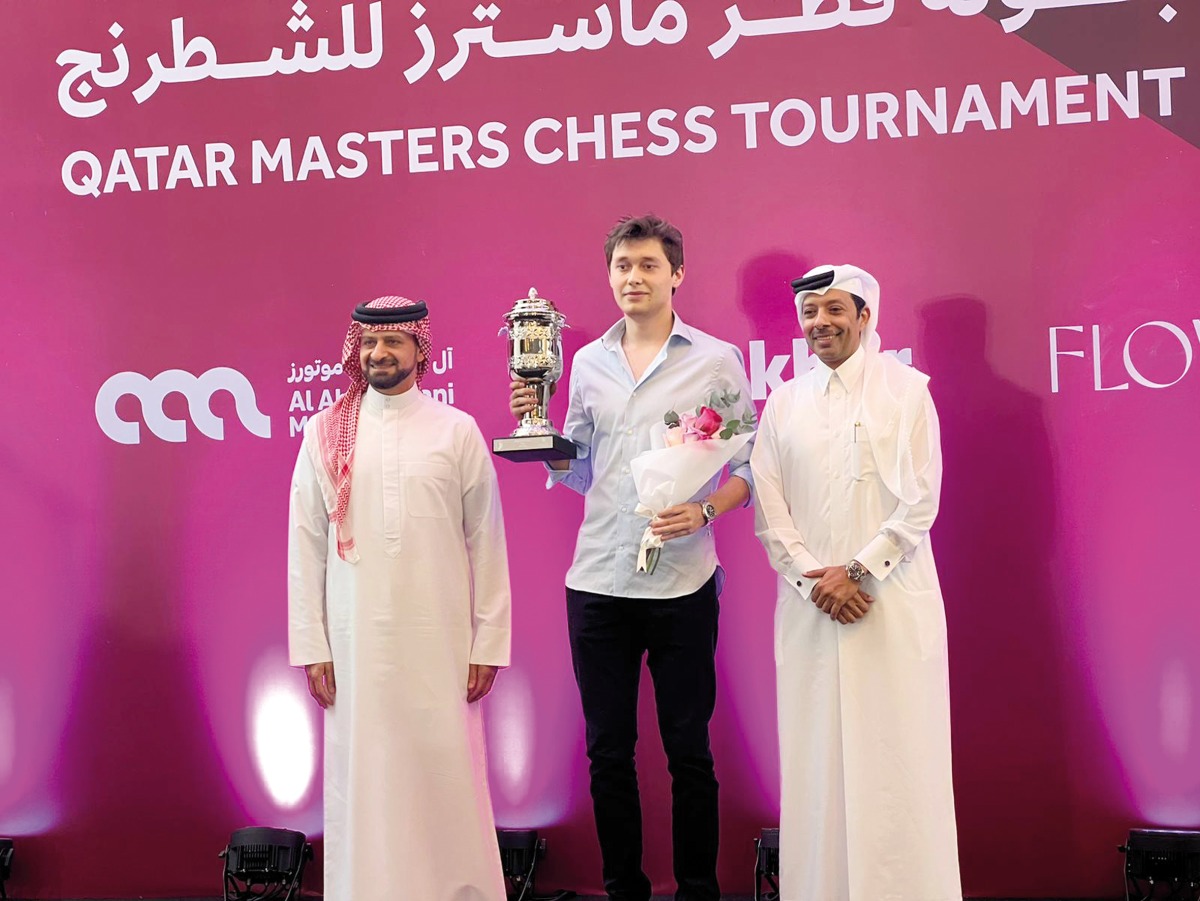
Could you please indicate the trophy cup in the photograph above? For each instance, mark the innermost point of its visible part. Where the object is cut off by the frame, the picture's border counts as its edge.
(534, 328)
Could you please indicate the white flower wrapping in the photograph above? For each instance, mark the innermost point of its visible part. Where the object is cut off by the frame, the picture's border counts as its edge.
(668, 476)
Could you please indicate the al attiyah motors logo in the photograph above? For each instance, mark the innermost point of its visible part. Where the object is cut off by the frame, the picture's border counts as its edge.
(197, 389)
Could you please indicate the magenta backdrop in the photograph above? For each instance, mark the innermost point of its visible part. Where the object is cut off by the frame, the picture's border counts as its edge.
(146, 709)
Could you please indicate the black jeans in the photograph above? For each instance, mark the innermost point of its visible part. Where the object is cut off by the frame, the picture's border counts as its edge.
(609, 635)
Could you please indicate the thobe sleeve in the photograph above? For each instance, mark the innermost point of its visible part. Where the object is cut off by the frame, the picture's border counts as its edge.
(577, 428)
(908, 525)
(732, 379)
(308, 546)
(773, 522)
(487, 554)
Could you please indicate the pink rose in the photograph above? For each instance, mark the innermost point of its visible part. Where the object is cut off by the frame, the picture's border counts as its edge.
(707, 421)
(700, 426)
(687, 425)
(674, 437)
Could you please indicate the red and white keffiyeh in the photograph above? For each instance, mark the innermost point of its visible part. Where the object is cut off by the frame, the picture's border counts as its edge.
(337, 427)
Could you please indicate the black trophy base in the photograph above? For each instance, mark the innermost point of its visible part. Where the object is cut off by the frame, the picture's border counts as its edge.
(534, 447)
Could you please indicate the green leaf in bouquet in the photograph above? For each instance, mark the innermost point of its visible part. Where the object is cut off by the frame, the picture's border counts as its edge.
(671, 418)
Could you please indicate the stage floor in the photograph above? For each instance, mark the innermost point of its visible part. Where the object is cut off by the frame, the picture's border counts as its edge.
(592, 898)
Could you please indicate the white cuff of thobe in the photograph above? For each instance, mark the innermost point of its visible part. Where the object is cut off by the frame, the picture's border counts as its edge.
(491, 647)
(304, 650)
(880, 557)
(796, 577)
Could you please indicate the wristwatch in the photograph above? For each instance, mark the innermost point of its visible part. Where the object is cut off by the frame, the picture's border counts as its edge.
(709, 511)
(856, 571)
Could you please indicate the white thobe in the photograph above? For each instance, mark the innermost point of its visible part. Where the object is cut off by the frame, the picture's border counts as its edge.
(867, 807)
(407, 809)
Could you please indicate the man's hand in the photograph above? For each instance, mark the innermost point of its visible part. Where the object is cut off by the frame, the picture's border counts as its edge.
(320, 683)
(855, 608)
(524, 398)
(479, 681)
(678, 521)
(834, 589)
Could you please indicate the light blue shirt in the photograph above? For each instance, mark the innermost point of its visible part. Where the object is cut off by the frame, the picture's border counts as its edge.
(609, 418)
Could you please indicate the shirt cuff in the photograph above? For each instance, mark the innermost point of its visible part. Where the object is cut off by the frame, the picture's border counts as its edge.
(743, 472)
(491, 646)
(804, 563)
(309, 650)
(880, 557)
(554, 476)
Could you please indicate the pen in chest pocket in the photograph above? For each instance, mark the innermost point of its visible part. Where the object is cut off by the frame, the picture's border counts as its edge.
(856, 452)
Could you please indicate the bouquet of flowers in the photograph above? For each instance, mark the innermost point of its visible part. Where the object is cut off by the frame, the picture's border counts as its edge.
(690, 449)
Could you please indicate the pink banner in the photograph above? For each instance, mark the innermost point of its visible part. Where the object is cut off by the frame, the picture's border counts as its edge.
(195, 196)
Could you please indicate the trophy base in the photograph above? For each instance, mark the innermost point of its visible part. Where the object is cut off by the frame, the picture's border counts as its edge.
(534, 447)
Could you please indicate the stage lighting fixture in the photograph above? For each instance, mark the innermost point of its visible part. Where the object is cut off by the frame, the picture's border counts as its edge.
(1162, 865)
(6, 856)
(766, 866)
(264, 863)
(520, 851)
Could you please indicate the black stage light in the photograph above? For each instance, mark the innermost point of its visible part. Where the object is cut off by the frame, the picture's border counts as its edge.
(520, 851)
(264, 863)
(766, 866)
(6, 855)
(1162, 865)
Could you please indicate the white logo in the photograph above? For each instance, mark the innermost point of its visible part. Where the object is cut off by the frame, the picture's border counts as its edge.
(1162, 351)
(197, 389)
(765, 376)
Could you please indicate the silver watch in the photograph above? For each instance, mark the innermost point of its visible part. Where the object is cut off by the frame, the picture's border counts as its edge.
(709, 511)
(856, 571)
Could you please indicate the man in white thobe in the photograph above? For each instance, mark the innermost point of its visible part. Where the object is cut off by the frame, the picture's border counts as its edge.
(848, 470)
(399, 610)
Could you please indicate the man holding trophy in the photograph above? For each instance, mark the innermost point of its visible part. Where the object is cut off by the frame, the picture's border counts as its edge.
(649, 371)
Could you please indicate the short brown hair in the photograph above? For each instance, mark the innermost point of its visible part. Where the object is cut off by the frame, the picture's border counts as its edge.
(641, 228)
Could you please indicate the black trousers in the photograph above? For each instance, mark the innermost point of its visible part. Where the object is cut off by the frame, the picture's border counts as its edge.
(609, 636)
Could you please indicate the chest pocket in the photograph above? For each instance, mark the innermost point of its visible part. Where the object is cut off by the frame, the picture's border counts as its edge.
(862, 458)
(430, 490)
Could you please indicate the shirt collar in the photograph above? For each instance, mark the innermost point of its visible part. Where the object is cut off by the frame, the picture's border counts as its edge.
(374, 400)
(850, 372)
(611, 340)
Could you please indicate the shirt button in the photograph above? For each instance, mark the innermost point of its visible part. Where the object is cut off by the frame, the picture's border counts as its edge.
(887, 562)
(629, 431)
(623, 508)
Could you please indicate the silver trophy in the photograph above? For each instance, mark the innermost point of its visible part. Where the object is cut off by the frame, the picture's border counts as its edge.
(534, 328)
